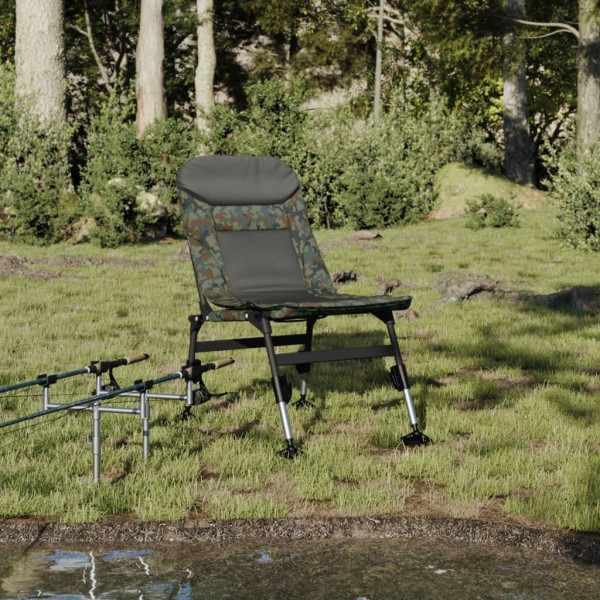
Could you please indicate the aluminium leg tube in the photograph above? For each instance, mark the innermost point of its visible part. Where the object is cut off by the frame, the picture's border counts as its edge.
(96, 441)
(290, 451)
(400, 381)
(145, 414)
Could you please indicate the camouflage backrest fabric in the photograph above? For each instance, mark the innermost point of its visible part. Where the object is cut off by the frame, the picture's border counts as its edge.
(248, 242)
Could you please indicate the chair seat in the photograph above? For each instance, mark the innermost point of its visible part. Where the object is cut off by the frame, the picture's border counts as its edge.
(301, 304)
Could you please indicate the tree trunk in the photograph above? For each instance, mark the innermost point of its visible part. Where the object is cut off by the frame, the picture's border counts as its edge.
(149, 77)
(588, 82)
(378, 58)
(519, 151)
(40, 59)
(207, 61)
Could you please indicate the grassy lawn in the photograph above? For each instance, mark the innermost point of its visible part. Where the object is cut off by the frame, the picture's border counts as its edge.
(509, 392)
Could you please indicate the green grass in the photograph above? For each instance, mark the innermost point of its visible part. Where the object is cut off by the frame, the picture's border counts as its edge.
(508, 392)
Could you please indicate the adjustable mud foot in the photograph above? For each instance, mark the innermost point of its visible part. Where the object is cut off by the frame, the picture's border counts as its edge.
(416, 438)
(302, 402)
(290, 451)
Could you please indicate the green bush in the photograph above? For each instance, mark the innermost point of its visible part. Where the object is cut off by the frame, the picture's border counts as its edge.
(575, 189)
(35, 184)
(352, 172)
(128, 184)
(491, 211)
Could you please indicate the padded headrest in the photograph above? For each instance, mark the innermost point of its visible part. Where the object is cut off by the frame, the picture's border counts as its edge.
(233, 180)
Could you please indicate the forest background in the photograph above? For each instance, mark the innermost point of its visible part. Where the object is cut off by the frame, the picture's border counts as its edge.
(101, 102)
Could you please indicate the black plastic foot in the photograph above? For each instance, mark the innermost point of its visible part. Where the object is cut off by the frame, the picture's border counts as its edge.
(416, 438)
(290, 451)
(302, 403)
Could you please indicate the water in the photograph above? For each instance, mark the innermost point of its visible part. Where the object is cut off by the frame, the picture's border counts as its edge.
(332, 569)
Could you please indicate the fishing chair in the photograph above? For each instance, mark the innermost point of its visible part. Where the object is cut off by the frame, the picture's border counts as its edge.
(255, 259)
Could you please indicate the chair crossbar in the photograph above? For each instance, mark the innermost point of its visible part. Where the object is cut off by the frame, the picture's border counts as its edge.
(302, 358)
(251, 342)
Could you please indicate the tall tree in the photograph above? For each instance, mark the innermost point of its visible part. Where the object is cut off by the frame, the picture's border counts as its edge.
(588, 68)
(207, 60)
(149, 68)
(519, 151)
(40, 59)
(588, 81)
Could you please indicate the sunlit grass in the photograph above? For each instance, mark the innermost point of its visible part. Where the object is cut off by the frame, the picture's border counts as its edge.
(508, 392)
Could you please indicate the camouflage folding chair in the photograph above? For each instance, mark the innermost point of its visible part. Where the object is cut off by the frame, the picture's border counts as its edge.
(256, 260)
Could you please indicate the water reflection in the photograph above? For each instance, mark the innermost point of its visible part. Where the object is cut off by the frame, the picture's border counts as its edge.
(353, 569)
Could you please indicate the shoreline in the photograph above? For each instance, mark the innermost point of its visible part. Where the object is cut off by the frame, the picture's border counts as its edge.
(583, 547)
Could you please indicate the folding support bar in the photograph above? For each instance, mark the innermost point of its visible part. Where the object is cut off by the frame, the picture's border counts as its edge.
(301, 358)
(253, 342)
(105, 409)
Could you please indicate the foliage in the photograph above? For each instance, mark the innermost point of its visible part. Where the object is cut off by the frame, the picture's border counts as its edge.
(328, 44)
(7, 31)
(352, 172)
(389, 178)
(575, 189)
(36, 196)
(491, 211)
(274, 124)
(121, 171)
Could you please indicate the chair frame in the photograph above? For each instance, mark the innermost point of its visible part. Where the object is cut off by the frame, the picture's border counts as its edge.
(302, 360)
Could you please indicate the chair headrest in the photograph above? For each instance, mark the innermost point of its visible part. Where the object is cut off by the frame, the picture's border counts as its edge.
(238, 180)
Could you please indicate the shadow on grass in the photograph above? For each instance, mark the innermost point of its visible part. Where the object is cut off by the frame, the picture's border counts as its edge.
(489, 349)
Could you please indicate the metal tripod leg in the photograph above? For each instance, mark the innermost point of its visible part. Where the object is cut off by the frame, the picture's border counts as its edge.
(401, 383)
(290, 451)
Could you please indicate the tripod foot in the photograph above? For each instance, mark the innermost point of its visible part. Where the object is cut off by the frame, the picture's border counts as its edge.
(290, 451)
(416, 438)
(187, 414)
(302, 403)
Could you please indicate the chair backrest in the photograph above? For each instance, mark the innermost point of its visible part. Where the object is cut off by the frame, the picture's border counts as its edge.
(247, 228)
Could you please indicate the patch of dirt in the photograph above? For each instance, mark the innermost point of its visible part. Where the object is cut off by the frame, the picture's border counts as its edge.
(576, 297)
(387, 285)
(365, 234)
(114, 475)
(340, 277)
(19, 266)
(503, 382)
(29, 267)
(583, 547)
(456, 287)
(183, 253)
(459, 287)
(65, 261)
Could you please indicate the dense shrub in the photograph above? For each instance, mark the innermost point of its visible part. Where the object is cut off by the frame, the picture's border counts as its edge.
(128, 185)
(575, 188)
(491, 211)
(352, 171)
(36, 195)
(388, 177)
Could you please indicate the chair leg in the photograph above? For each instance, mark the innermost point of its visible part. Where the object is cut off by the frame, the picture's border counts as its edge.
(281, 392)
(401, 383)
(304, 370)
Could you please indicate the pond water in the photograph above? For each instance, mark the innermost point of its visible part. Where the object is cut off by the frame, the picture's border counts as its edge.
(346, 569)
